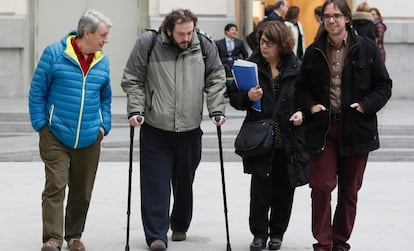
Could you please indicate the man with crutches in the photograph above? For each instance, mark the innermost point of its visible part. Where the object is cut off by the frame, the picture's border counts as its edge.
(165, 79)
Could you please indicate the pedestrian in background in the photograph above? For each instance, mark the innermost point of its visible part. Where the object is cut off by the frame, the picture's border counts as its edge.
(293, 23)
(70, 107)
(342, 85)
(317, 13)
(363, 22)
(380, 29)
(275, 13)
(230, 49)
(165, 80)
(280, 9)
(274, 176)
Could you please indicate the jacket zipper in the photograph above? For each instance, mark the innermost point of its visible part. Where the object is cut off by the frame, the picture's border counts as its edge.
(330, 115)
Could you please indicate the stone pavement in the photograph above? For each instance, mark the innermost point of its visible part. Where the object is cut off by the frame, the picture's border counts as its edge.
(384, 221)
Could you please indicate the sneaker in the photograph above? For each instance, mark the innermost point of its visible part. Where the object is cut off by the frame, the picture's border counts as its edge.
(158, 245)
(178, 236)
(76, 245)
(50, 245)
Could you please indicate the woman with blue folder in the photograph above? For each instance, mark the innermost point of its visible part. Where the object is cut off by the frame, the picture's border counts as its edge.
(275, 175)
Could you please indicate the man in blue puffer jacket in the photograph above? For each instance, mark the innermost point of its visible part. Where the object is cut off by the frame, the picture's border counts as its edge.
(70, 107)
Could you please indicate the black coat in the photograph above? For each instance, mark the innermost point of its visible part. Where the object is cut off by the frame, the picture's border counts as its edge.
(365, 80)
(363, 23)
(292, 136)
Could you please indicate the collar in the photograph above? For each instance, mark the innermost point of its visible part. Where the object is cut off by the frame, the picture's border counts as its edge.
(277, 12)
(77, 49)
(343, 43)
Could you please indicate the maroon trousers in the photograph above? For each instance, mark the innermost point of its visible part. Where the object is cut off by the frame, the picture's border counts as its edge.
(327, 171)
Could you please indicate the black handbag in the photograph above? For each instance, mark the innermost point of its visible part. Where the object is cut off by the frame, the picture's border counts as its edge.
(255, 138)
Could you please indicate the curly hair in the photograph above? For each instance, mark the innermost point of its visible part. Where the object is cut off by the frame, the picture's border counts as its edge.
(279, 34)
(177, 16)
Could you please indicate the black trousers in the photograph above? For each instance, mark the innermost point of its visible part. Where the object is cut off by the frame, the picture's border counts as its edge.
(271, 200)
(168, 159)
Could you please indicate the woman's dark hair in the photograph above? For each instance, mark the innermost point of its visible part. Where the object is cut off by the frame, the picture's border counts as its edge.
(177, 16)
(279, 34)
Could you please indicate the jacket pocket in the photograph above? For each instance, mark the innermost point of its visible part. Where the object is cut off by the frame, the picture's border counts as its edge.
(361, 73)
(316, 126)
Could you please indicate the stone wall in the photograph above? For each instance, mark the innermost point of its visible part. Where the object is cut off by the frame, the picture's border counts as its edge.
(399, 48)
(12, 56)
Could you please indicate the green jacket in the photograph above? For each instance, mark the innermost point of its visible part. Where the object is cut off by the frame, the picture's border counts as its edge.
(169, 87)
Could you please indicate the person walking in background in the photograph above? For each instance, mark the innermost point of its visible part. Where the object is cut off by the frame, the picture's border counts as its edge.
(275, 175)
(380, 29)
(363, 22)
(280, 9)
(317, 13)
(292, 21)
(342, 85)
(230, 49)
(70, 107)
(165, 79)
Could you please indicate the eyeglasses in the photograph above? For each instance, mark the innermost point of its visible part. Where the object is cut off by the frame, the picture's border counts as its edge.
(267, 42)
(335, 16)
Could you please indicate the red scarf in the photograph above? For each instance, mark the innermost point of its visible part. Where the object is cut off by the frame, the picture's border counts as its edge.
(84, 62)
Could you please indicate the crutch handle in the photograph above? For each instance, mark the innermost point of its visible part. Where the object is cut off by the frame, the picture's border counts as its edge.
(217, 118)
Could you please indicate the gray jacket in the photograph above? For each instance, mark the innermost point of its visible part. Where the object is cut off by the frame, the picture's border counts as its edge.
(169, 87)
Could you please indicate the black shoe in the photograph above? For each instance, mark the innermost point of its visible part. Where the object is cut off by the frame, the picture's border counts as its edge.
(257, 244)
(275, 243)
(339, 248)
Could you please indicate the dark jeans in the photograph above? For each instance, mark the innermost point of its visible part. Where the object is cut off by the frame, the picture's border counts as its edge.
(328, 170)
(167, 158)
(272, 193)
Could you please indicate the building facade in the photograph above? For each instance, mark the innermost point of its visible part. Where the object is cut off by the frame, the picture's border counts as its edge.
(28, 26)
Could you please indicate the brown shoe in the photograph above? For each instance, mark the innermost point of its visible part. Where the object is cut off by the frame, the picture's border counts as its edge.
(158, 245)
(178, 236)
(50, 245)
(76, 245)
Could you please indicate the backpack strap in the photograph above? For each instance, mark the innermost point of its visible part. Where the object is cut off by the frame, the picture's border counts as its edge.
(201, 34)
(153, 41)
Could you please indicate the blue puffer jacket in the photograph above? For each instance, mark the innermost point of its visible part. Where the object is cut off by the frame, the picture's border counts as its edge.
(74, 106)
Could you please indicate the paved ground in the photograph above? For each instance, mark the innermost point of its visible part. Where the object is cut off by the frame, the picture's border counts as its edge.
(384, 222)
